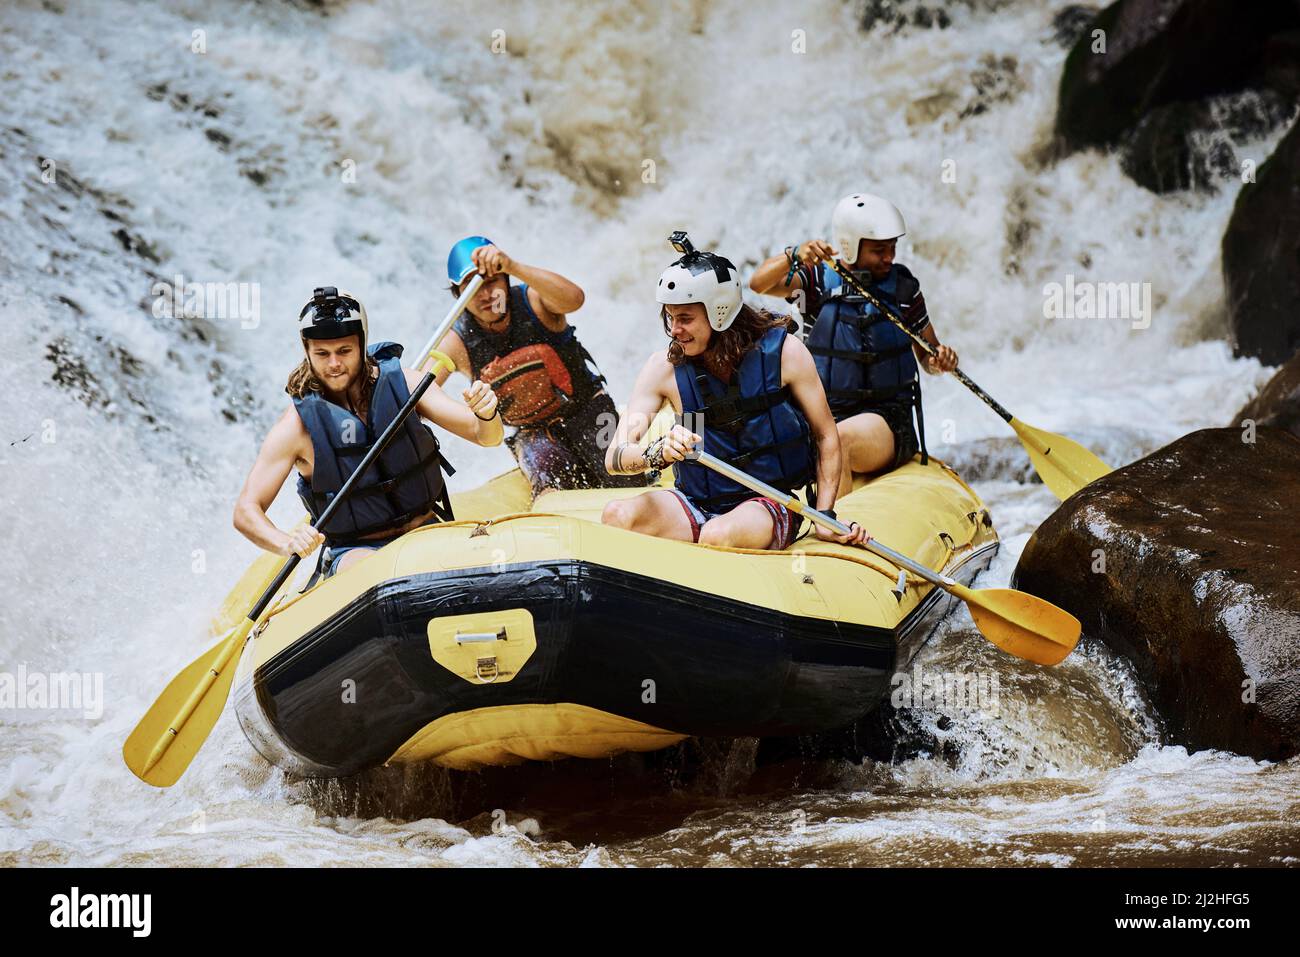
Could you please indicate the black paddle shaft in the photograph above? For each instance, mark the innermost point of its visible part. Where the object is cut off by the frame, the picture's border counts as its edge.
(385, 437)
(847, 275)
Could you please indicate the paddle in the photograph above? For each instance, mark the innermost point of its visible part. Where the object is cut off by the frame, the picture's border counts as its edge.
(259, 574)
(171, 732)
(1018, 623)
(1064, 465)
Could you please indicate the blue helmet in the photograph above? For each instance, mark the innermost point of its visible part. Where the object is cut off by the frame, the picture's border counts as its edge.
(460, 262)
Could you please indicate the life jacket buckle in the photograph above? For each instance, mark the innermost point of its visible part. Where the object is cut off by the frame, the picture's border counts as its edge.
(724, 416)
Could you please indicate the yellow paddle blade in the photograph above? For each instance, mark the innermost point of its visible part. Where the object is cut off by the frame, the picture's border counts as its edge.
(1022, 624)
(248, 590)
(1063, 465)
(169, 735)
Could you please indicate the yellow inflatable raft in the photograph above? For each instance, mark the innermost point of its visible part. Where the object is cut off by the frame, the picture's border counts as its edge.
(529, 631)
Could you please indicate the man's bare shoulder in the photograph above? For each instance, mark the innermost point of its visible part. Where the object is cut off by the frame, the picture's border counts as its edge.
(657, 368)
(288, 433)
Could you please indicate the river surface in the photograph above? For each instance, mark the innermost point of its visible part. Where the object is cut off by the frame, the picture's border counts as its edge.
(288, 145)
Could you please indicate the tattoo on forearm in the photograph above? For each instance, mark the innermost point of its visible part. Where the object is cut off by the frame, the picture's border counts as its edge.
(619, 466)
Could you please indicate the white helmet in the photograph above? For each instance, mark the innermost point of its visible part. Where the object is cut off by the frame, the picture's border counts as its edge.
(701, 277)
(863, 216)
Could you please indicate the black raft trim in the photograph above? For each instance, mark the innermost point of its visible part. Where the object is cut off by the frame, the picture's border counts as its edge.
(718, 666)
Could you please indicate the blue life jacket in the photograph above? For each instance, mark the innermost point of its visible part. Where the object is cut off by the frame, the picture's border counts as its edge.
(752, 424)
(864, 360)
(404, 482)
(493, 352)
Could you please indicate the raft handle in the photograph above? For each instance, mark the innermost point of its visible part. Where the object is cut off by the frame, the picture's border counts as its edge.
(485, 668)
(466, 637)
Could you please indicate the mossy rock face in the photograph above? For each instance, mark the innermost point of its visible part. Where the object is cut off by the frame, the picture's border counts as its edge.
(1186, 562)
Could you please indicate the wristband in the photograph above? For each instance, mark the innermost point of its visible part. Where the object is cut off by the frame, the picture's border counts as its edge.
(794, 263)
(494, 414)
(654, 455)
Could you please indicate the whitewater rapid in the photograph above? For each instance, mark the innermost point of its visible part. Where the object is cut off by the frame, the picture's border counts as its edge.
(352, 146)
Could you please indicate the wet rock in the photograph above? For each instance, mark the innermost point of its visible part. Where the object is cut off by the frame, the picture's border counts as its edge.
(897, 14)
(1002, 458)
(72, 373)
(1195, 145)
(181, 101)
(887, 735)
(63, 178)
(1159, 52)
(1071, 23)
(995, 80)
(1261, 258)
(263, 166)
(1185, 562)
(221, 139)
(994, 458)
(133, 243)
(232, 390)
(1278, 404)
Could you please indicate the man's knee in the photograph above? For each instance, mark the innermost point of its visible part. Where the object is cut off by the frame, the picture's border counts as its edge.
(621, 513)
(716, 533)
(351, 557)
(855, 432)
(866, 442)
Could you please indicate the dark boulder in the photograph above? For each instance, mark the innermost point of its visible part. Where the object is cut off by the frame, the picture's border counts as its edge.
(1195, 145)
(1166, 51)
(1187, 562)
(1278, 404)
(1261, 258)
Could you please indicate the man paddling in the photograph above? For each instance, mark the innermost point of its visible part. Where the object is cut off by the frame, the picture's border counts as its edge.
(517, 338)
(866, 363)
(345, 392)
(750, 393)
